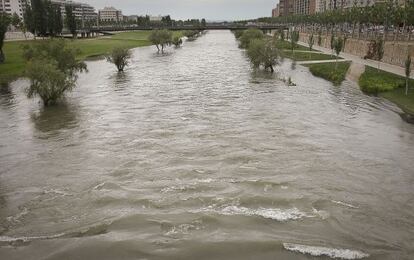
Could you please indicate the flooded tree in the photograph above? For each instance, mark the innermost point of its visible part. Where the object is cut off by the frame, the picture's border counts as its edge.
(161, 39)
(248, 36)
(120, 57)
(177, 41)
(52, 68)
(263, 53)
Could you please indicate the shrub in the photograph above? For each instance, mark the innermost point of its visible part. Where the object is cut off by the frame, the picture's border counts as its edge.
(161, 39)
(52, 69)
(263, 53)
(248, 36)
(119, 56)
(177, 41)
(238, 33)
(326, 71)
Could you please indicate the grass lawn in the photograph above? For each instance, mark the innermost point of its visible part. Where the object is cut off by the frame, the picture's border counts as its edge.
(389, 86)
(306, 56)
(406, 103)
(15, 64)
(376, 81)
(287, 45)
(327, 71)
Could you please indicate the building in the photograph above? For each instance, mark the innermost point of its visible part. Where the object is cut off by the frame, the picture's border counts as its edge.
(275, 11)
(110, 14)
(304, 7)
(82, 11)
(11, 7)
(156, 19)
(286, 7)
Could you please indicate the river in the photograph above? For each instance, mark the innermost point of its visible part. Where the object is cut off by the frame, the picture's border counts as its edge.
(192, 155)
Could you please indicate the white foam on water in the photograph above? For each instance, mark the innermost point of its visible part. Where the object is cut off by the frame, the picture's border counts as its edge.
(321, 213)
(276, 214)
(27, 239)
(345, 204)
(18, 216)
(325, 251)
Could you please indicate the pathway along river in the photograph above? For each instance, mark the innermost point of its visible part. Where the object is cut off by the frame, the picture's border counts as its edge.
(191, 155)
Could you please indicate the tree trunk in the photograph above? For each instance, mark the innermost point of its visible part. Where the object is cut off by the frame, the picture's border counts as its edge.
(271, 69)
(406, 86)
(2, 57)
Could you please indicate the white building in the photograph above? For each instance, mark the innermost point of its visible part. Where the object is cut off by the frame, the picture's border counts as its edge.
(14, 6)
(157, 18)
(110, 14)
(82, 11)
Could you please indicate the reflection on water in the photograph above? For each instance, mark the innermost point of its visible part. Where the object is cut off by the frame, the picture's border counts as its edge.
(53, 118)
(193, 155)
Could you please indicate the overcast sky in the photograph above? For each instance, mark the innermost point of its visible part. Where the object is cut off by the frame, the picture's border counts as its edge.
(184, 9)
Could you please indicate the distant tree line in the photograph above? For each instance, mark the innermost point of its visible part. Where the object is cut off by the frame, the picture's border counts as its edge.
(379, 17)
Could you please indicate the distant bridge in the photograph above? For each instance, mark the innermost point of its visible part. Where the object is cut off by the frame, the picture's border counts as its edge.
(265, 27)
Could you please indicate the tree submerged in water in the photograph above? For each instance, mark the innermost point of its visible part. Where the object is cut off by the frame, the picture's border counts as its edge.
(161, 39)
(263, 53)
(119, 56)
(52, 69)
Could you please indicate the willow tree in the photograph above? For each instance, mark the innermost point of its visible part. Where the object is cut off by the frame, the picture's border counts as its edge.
(248, 36)
(161, 39)
(120, 57)
(263, 53)
(52, 69)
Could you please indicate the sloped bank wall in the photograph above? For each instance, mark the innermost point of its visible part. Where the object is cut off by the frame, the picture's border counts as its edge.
(394, 52)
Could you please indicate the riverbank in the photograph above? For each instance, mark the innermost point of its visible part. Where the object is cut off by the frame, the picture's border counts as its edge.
(14, 66)
(329, 71)
(388, 82)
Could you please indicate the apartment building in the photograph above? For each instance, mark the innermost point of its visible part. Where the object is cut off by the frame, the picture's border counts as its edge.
(82, 11)
(304, 7)
(14, 6)
(275, 11)
(110, 14)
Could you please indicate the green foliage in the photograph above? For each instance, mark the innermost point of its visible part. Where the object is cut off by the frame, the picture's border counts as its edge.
(119, 56)
(4, 23)
(71, 21)
(192, 34)
(294, 38)
(375, 81)
(15, 20)
(263, 53)
(238, 33)
(407, 73)
(248, 36)
(403, 100)
(282, 35)
(326, 71)
(304, 56)
(54, 19)
(39, 17)
(160, 38)
(337, 45)
(177, 41)
(311, 41)
(52, 69)
(332, 42)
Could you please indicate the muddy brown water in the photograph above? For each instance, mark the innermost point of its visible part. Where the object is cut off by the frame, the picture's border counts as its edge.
(192, 155)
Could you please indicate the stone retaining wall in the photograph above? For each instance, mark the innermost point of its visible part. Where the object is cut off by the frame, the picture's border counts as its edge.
(394, 52)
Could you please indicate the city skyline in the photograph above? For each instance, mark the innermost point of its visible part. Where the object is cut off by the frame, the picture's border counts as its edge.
(187, 9)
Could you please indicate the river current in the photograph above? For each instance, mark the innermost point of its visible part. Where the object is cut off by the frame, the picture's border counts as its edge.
(193, 155)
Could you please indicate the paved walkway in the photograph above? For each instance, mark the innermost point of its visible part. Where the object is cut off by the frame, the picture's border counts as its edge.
(319, 61)
(383, 66)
